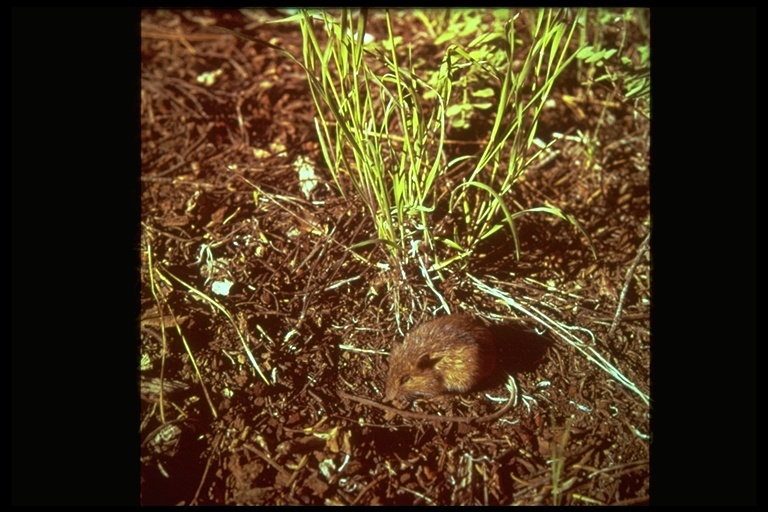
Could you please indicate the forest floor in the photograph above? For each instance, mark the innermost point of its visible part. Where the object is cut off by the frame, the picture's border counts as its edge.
(223, 124)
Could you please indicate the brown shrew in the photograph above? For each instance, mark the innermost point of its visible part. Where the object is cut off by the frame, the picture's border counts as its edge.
(447, 355)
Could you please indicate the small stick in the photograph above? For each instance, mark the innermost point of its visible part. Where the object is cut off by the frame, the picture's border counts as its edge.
(432, 417)
(266, 458)
(630, 272)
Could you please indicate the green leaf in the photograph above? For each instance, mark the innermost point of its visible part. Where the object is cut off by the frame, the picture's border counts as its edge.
(585, 52)
(484, 93)
(450, 243)
(455, 110)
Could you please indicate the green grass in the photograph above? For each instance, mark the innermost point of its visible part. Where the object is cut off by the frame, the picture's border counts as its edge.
(558, 451)
(619, 69)
(383, 118)
(383, 114)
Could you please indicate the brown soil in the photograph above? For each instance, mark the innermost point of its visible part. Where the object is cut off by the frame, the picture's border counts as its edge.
(221, 201)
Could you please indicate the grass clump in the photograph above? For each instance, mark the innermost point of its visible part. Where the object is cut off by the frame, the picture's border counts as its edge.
(383, 121)
(385, 111)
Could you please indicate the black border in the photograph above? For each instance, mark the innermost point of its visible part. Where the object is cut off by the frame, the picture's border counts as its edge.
(75, 305)
(703, 192)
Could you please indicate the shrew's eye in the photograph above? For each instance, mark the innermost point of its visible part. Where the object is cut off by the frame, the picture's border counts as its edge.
(404, 379)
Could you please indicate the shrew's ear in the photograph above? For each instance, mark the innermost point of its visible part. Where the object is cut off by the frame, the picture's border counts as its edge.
(425, 361)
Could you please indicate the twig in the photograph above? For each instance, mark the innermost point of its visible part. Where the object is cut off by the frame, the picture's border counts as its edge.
(368, 488)
(640, 252)
(214, 446)
(266, 458)
(432, 417)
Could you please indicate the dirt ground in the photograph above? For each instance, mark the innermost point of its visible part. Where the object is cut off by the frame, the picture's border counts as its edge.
(223, 123)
